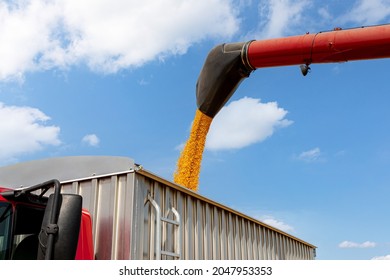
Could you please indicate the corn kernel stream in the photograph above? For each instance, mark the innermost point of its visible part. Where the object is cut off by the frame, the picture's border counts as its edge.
(189, 163)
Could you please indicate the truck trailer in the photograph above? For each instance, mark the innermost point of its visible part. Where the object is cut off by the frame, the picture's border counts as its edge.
(126, 212)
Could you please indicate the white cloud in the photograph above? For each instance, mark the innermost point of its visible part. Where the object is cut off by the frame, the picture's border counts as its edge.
(245, 122)
(277, 17)
(311, 155)
(25, 31)
(277, 224)
(349, 244)
(368, 12)
(387, 257)
(324, 13)
(106, 35)
(24, 130)
(91, 140)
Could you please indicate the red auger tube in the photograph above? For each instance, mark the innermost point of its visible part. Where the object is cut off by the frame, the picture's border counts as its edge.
(324, 47)
(227, 65)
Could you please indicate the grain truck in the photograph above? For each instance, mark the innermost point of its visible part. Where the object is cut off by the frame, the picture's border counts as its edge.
(112, 208)
(124, 212)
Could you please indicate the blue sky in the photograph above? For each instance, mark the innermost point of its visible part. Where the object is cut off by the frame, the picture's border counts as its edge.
(309, 155)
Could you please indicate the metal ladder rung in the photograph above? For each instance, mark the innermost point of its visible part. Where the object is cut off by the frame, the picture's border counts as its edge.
(170, 221)
(171, 254)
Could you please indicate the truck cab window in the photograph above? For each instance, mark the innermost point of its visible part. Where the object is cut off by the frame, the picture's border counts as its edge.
(5, 227)
(27, 227)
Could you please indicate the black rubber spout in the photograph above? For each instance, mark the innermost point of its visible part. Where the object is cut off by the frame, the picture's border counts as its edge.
(224, 69)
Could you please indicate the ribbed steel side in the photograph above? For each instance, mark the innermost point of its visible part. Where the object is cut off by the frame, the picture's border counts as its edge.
(124, 223)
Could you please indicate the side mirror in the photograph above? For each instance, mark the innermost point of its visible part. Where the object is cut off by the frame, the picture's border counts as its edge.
(60, 227)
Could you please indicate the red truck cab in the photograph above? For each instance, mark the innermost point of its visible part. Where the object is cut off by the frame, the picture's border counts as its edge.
(35, 226)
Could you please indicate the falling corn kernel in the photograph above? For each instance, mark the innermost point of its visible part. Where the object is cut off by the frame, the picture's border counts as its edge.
(188, 165)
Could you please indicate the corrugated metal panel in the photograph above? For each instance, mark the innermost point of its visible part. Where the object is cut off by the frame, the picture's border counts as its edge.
(125, 222)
